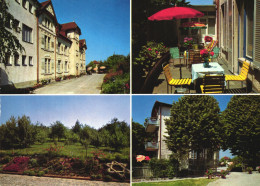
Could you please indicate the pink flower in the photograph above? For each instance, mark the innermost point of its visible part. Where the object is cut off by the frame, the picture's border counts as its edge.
(147, 158)
(149, 49)
(156, 52)
(185, 40)
(190, 39)
(212, 53)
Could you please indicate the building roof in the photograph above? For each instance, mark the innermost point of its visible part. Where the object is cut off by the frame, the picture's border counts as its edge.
(43, 7)
(45, 3)
(158, 104)
(70, 26)
(82, 43)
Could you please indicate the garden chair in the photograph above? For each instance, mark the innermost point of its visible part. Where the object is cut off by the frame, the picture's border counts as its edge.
(174, 82)
(242, 76)
(175, 54)
(194, 57)
(213, 84)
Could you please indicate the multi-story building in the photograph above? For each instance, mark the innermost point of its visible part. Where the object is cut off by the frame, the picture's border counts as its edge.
(158, 148)
(238, 35)
(51, 49)
(20, 69)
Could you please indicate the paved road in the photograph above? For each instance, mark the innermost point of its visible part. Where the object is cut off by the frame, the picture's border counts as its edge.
(88, 84)
(18, 180)
(238, 179)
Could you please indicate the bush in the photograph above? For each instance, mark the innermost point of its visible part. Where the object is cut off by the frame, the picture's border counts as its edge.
(33, 162)
(183, 173)
(93, 176)
(99, 176)
(41, 173)
(5, 159)
(31, 173)
(107, 178)
(27, 172)
(46, 171)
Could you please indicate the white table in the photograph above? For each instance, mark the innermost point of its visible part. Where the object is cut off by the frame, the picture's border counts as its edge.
(198, 70)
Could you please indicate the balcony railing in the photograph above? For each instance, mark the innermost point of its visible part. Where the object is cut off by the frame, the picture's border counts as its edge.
(151, 146)
(151, 124)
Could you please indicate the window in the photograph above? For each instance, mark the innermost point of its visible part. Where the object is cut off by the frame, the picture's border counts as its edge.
(59, 62)
(16, 25)
(59, 48)
(8, 22)
(30, 8)
(27, 34)
(66, 64)
(47, 42)
(49, 66)
(65, 50)
(16, 59)
(24, 60)
(211, 26)
(24, 3)
(203, 31)
(8, 59)
(193, 155)
(249, 7)
(30, 61)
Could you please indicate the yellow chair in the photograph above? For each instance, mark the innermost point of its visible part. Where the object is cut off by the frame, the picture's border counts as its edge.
(213, 84)
(241, 77)
(174, 82)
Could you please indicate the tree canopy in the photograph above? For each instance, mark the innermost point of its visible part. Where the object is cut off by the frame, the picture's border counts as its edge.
(194, 125)
(241, 120)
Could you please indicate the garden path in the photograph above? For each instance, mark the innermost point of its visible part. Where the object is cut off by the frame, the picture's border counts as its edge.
(87, 84)
(238, 179)
(22, 180)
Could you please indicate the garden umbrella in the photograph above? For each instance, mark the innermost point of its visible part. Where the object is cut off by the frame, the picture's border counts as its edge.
(176, 13)
(193, 25)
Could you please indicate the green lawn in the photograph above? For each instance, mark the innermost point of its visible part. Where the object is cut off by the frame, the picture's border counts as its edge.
(75, 150)
(186, 182)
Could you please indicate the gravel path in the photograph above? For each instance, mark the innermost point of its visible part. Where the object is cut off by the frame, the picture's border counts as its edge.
(238, 179)
(88, 84)
(22, 180)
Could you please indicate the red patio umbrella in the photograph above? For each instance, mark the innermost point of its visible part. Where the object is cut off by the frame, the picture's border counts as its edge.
(175, 13)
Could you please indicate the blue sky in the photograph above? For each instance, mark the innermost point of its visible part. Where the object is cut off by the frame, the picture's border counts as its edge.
(142, 108)
(105, 24)
(95, 111)
(200, 2)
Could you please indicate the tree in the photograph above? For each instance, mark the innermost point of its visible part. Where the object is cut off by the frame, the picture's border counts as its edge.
(57, 130)
(194, 125)
(85, 139)
(138, 138)
(77, 127)
(241, 121)
(9, 44)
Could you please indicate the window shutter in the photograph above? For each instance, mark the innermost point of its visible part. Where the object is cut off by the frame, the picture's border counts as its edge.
(257, 32)
(43, 42)
(42, 66)
(52, 45)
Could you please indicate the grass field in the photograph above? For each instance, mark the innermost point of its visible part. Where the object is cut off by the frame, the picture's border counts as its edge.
(75, 150)
(186, 182)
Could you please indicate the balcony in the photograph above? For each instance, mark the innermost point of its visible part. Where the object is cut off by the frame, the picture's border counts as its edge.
(151, 146)
(151, 124)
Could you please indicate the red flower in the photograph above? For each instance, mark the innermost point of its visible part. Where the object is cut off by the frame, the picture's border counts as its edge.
(212, 53)
(147, 158)
(156, 52)
(149, 49)
(208, 39)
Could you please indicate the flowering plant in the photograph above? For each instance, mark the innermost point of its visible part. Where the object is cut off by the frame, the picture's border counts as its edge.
(249, 170)
(258, 169)
(209, 172)
(149, 54)
(223, 173)
(18, 164)
(206, 54)
(208, 39)
(188, 41)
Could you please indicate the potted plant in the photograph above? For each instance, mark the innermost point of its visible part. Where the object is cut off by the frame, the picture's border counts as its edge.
(58, 79)
(209, 173)
(188, 42)
(205, 54)
(249, 170)
(223, 174)
(44, 81)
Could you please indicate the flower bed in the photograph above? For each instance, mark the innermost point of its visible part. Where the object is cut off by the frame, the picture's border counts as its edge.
(18, 164)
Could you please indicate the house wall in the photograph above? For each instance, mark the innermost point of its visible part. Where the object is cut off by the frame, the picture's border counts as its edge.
(46, 55)
(233, 38)
(62, 56)
(22, 75)
(83, 61)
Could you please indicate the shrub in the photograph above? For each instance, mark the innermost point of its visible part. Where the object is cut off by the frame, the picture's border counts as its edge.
(31, 173)
(27, 172)
(93, 176)
(41, 173)
(159, 167)
(33, 162)
(107, 178)
(99, 176)
(46, 171)
(5, 159)
(183, 173)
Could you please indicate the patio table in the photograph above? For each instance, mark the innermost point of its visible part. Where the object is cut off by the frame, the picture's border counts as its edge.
(198, 70)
